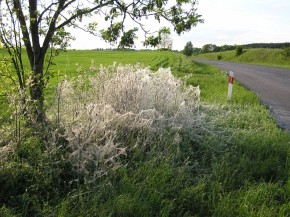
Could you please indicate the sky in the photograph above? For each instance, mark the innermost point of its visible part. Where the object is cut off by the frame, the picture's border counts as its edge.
(225, 22)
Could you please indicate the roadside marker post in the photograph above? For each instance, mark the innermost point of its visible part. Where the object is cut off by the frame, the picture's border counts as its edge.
(231, 82)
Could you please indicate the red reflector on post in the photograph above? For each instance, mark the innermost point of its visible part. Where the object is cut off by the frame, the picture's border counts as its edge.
(231, 82)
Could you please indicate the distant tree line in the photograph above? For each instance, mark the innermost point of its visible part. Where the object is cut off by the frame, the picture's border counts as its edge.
(267, 45)
(210, 48)
(207, 48)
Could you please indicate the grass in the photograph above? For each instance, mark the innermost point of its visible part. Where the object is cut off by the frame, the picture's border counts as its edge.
(235, 164)
(66, 63)
(211, 80)
(267, 57)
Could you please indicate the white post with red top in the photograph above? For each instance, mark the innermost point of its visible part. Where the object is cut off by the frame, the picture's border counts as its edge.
(231, 82)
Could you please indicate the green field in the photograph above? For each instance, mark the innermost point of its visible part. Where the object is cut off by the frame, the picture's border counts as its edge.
(212, 81)
(262, 56)
(232, 161)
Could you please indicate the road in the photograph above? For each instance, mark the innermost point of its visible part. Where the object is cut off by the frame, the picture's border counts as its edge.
(272, 85)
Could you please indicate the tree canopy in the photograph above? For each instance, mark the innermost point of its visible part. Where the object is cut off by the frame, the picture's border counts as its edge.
(163, 40)
(188, 49)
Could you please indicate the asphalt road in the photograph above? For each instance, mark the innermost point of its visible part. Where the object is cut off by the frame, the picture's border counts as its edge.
(272, 85)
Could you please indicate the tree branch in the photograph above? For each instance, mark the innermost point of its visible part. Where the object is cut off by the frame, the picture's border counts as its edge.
(34, 25)
(44, 11)
(82, 12)
(52, 26)
(24, 29)
(14, 50)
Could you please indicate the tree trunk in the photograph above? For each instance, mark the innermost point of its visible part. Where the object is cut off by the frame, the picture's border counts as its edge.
(36, 91)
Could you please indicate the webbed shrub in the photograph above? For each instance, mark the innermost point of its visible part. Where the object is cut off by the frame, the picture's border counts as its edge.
(120, 108)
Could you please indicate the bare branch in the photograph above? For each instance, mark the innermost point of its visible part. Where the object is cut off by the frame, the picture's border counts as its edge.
(52, 26)
(34, 25)
(81, 13)
(49, 62)
(44, 11)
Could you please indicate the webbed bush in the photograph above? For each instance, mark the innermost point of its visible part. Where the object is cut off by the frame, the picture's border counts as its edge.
(120, 108)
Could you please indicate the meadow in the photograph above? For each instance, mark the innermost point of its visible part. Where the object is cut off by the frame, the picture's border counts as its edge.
(125, 141)
(258, 56)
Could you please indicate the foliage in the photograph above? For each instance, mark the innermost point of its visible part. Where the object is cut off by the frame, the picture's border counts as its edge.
(112, 33)
(239, 51)
(286, 52)
(7, 80)
(151, 41)
(219, 57)
(227, 47)
(267, 45)
(188, 49)
(163, 40)
(208, 48)
(127, 39)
